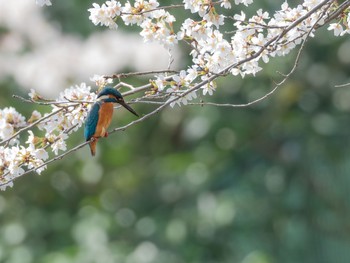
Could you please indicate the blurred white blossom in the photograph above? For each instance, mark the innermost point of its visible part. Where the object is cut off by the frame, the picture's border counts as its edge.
(56, 59)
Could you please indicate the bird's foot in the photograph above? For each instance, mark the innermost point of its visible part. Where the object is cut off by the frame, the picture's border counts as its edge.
(106, 134)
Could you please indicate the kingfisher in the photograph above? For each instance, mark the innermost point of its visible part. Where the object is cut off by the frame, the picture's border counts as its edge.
(100, 116)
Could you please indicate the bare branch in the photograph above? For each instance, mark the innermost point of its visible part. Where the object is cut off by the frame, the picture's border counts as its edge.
(342, 85)
(130, 74)
(143, 88)
(340, 9)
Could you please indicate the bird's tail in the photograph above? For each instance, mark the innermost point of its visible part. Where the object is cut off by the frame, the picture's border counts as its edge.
(92, 145)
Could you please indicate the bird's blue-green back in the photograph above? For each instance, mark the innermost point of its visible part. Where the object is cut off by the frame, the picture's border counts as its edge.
(91, 121)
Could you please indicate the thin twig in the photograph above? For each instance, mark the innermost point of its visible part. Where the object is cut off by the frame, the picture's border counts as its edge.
(342, 85)
(56, 103)
(154, 9)
(341, 8)
(144, 87)
(166, 7)
(125, 75)
(171, 59)
(39, 102)
(123, 84)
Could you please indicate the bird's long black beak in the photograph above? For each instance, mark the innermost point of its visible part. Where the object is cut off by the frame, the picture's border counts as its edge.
(126, 106)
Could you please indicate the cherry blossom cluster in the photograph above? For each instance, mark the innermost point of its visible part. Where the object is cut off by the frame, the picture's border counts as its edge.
(342, 26)
(259, 37)
(10, 121)
(67, 115)
(156, 23)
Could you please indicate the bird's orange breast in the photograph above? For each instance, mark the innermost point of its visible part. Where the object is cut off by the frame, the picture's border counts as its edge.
(105, 115)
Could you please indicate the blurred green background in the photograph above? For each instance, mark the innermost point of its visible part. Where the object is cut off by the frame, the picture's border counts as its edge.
(268, 183)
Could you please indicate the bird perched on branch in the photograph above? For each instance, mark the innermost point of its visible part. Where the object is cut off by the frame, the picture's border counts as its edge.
(100, 116)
